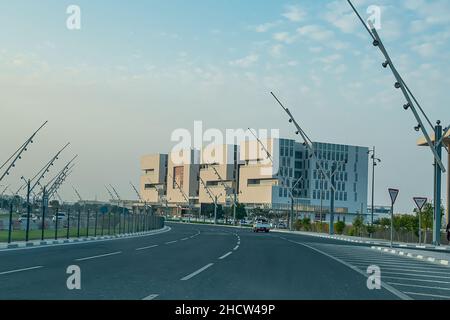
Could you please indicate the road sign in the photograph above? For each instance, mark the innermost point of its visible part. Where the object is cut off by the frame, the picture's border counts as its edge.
(420, 202)
(104, 210)
(46, 201)
(393, 193)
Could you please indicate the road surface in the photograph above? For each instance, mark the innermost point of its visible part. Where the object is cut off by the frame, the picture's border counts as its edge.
(203, 262)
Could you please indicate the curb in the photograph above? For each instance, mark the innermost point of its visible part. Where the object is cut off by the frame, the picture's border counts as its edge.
(39, 243)
(411, 255)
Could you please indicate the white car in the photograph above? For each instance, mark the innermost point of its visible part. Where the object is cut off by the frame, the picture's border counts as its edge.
(60, 215)
(23, 217)
(261, 225)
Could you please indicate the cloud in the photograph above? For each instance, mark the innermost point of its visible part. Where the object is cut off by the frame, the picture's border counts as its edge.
(426, 50)
(294, 13)
(265, 26)
(245, 62)
(340, 15)
(275, 51)
(315, 32)
(284, 37)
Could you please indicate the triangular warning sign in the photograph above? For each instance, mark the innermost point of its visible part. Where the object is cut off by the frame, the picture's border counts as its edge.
(393, 193)
(420, 202)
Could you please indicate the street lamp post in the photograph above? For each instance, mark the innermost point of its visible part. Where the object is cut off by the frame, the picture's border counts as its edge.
(374, 164)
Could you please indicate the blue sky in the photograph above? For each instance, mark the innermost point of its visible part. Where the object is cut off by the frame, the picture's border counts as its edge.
(138, 70)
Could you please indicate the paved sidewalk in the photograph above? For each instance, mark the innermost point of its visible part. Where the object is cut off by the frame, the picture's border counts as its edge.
(47, 242)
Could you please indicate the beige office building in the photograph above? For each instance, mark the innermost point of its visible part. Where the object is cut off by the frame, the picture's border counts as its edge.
(218, 174)
(258, 178)
(154, 178)
(183, 177)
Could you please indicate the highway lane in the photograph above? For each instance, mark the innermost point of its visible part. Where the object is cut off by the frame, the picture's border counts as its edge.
(207, 262)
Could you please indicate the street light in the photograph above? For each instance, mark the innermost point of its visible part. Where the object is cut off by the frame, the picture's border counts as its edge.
(435, 147)
(375, 160)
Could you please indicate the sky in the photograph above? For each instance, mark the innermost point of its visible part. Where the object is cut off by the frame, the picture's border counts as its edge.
(138, 70)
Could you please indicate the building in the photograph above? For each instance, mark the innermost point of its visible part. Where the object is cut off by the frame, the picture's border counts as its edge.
(283, 171)
(154, 178)
(219, 174)
(350, 175)
(379, 212)
(272, 174)
(183, 178)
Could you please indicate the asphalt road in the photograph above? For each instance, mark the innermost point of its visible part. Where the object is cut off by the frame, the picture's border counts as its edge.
(200, 262)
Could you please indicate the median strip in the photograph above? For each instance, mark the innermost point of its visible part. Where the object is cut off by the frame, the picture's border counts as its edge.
(20, 270)
(197, 272)
(99, 256)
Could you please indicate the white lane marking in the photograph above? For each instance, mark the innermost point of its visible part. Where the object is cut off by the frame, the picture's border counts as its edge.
(420, 280)
(428, 295)
(170, 242)
(394, 291)
(415, 270)
(235, 248)
(416, 275)
(145, 248)
(385, 265)
(436, 267)
(417, 286)
(193, 274)
(225, 255)
(151, 297)
(20, 270)
(99, 256)
(184, 239)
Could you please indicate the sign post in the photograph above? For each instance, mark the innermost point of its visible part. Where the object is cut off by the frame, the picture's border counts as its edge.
(420, 203)
(393, 193)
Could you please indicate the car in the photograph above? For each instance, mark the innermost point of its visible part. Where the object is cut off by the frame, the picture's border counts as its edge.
(24, 216)
(60, 215)
(261, 225)
(282, 225)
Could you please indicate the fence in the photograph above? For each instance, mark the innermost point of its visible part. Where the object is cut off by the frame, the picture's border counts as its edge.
(383, 234)
(77, 224)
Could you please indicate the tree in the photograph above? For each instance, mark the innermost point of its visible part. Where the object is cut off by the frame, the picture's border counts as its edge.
(358, 224)
(241, 212)
(306, 224)
(339, 227)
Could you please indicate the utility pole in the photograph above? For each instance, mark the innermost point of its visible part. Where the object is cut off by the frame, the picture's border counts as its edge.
(18, 154)
(437, 186)
(374, 164)
(307, 142)
(214, 198)
(181, 191)
(413, 105)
